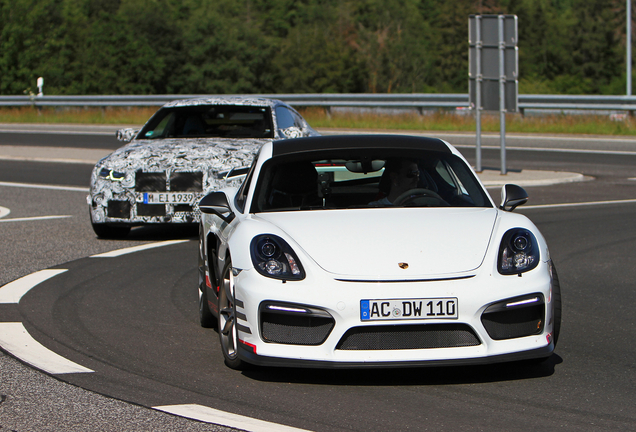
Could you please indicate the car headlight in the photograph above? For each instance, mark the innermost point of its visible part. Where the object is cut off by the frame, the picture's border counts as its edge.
(110, 174)
(518, 252)
(273, 257)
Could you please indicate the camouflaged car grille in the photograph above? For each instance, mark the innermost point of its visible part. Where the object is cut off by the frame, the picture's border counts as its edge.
(401, 337)
(151, 210)
(186, 182)
(150, 182)
(295, 330)
(514, 323)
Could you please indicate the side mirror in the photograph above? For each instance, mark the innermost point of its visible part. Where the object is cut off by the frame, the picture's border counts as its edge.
(216, 203)
(512, 196)
(126, 135)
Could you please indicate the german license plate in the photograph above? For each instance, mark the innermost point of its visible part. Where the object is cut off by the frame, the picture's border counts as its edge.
(166, 198)
(405, 309)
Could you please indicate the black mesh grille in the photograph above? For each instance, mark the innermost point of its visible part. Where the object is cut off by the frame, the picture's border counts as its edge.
(182, 208)
(186, 181)
(514, 323)
(150, 182)
(151, 209)
(119, 209)
(295, 330)
(400, 336)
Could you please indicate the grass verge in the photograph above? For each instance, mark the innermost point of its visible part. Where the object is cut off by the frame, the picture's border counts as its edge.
(320, 118)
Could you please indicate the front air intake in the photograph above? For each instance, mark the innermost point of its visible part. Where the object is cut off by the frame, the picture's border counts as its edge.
(515, 318)
(294, 324)
(403, 337)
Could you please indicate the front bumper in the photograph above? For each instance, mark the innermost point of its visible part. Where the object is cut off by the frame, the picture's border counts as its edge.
(480, 334)
(130, 208)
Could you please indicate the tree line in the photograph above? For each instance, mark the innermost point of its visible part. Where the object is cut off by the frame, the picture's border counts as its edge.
(88, 47)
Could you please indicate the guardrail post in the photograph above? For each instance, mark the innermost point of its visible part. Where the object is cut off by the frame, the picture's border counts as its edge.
(502, 94)
(478, 80)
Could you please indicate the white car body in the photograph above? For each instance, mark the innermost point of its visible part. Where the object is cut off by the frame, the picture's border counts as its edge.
(442, 261)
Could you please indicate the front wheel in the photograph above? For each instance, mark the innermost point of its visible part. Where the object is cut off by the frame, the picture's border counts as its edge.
(206, 319)
(228, 333)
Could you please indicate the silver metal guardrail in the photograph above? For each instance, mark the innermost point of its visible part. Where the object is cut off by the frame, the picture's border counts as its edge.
(419, 101)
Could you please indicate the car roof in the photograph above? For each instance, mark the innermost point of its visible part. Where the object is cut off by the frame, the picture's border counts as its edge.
(225, 100)
(338, 142)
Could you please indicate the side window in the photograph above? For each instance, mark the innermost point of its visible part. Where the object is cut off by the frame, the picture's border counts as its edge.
(162, 129)
(449, 176)
(241, 196)
(298, 121)
(284, 117)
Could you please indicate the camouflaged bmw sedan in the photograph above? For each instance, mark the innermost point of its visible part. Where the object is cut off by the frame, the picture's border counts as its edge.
(181, 154)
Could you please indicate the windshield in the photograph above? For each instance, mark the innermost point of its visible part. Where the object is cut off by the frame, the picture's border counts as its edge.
(364, 179)
(210, 121)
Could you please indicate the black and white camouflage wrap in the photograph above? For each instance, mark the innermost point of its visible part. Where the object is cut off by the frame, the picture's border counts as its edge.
(210, 156)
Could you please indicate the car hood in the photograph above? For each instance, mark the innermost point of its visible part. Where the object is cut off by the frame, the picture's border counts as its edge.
(183, 154)
(374, 244)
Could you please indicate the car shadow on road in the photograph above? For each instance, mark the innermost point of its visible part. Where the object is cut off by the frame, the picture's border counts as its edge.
(512, 371)
(163, 232)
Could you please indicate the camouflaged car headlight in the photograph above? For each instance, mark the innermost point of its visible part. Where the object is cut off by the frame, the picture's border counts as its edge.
(518, 252)
(273, 257)
(112, 175)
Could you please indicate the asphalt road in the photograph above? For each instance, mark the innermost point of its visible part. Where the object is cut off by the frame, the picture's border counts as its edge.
(133, 320)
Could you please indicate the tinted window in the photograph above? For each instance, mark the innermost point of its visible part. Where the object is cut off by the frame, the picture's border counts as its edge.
(206, 121)
(287, 118)
(367, 178)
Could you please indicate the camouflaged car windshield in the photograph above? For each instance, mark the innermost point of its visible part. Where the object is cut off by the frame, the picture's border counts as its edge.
(392, 179)
(210, 121)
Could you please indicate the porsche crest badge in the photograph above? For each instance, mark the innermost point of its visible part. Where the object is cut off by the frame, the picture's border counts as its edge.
(403, 265)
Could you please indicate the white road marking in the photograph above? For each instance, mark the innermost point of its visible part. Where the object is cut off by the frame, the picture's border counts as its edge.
(13, 291)
(591, 203)
(41, 186)
(48, 160)
(4, 212)
(57, 132)
(16, 339)
(35, 218)
(120, 252)
(211, 415)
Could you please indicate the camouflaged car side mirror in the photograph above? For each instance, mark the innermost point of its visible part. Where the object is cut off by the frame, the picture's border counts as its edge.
(216, 203)
(512, 196)
(126, 135)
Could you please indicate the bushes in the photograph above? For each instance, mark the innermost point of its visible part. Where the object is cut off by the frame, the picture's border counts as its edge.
(294, 46)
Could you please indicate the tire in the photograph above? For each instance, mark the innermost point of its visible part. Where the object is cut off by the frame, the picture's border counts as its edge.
(556, 316)
(228, 333)
(556, 300)
(206, 319)
(104, 231)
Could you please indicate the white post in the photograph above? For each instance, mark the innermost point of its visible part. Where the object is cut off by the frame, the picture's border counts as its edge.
(40, 84)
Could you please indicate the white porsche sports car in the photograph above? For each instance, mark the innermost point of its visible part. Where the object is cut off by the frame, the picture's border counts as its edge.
(181, 154)
(373, 250)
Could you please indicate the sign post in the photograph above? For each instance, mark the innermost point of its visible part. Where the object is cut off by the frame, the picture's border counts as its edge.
(493, 72)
